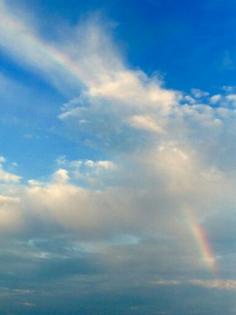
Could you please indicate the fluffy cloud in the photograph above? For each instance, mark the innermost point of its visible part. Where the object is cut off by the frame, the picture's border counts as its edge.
(7, 176)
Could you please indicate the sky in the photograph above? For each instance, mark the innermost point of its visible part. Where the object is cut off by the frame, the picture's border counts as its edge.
(117, 157)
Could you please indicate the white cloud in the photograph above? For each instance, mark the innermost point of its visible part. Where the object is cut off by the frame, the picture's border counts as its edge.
(197, 93)
(229, 284)
(99, 165)
(146, 123)
(10, 214)
(215, 99)
(92, 61)
(61, 176)
(7, 176)
(166, 151)
(231, 98)
(219, 284)
(2, 159)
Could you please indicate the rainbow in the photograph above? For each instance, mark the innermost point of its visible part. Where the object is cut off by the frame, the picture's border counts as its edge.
(18, 39)
(202, 241)
(42, 54)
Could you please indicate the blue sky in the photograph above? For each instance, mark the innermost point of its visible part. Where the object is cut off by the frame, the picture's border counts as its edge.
(183, 42)
(117, 160)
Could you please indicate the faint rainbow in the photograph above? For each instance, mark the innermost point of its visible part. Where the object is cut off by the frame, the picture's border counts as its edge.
(14, 27)
(203, 243)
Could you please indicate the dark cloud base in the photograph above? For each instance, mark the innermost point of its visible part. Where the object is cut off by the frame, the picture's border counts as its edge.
(73, 298)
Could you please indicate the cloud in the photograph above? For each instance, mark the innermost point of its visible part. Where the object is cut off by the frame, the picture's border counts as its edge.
(228, 284)
(10, 214)
(92, 61)
(61, 176)
(8, 177)
(145, 123)
(216, 284)
(5, 176)
(163, 152)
